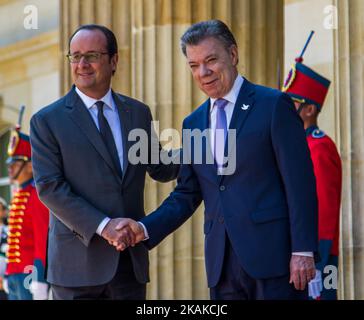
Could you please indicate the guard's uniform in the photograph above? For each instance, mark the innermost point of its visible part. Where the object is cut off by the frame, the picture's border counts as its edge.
(27, 229)
(27, 235)
(306, 86)
(328, 172)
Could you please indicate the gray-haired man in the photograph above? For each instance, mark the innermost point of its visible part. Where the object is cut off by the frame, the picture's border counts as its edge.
(261, 220)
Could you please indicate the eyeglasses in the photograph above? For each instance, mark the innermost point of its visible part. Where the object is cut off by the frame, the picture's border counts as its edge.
(90, 57)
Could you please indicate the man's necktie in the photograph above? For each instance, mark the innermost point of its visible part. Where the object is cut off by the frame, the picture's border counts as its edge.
(220, 131)
(107, 136)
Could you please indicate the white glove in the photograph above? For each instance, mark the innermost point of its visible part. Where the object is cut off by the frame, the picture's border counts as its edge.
(39, 290)
(315, 286)
(2, 265)
(5, 285)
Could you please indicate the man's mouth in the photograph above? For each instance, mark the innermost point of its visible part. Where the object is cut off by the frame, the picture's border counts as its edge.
(85, 74)
(210, 82)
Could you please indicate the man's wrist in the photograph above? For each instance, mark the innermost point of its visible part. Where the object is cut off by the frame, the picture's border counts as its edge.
(303, 254)
(102, 226)
(146, 235)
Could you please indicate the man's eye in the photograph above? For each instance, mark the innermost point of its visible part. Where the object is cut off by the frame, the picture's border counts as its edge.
(193, 66)
(92, 56)
(76, 56)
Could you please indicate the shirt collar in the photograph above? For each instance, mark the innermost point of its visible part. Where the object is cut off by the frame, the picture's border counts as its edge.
(311, 129)
(90, 102)
(232, 95)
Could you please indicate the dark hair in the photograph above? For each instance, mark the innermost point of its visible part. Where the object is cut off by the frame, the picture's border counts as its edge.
(206, 29)
(112, 45)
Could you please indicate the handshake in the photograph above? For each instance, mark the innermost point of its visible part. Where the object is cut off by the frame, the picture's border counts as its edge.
(123, 232)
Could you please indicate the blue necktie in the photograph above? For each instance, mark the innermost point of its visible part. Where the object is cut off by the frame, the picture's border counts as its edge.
(220, 132)
(107, 136)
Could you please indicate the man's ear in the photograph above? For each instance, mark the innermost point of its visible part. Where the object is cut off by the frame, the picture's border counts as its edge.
(114, 61)
(311, 110)
(234, 54)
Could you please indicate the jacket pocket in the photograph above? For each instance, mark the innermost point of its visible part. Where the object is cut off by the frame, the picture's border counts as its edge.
(271, 214)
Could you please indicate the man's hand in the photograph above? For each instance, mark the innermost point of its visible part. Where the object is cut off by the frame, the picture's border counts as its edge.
(302, 271)
(121, 238)
(136, 229)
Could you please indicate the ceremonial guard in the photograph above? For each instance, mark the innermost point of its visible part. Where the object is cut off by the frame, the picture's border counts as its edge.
(28, 225)
(308, 90)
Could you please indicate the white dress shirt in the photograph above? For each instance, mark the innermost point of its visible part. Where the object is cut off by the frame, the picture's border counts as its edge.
(112, 116)
(231, 97)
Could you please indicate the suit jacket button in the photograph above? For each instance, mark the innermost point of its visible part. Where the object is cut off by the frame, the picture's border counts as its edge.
(221, 220)
(222, 188)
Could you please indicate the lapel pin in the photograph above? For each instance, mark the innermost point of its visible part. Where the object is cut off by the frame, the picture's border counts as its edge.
(245, 107)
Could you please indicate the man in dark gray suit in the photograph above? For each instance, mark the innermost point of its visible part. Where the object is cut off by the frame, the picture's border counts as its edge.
(83, 175)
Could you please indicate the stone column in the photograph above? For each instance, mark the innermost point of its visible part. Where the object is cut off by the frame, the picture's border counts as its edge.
(349, 68)
(153, 69)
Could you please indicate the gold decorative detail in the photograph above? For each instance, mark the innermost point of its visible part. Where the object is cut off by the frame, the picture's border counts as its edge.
(10, 241)
(17, 207)
(17, 260)
(22, 194)
(16, 220)
(15, 227)
(13, 142)
(298, 100)
(20, 200)
(14, 247)
(16, 213)
(290, 78)
(13, 254)
(14, 235)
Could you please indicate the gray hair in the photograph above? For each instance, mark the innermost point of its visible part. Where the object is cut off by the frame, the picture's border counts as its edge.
(206, 29)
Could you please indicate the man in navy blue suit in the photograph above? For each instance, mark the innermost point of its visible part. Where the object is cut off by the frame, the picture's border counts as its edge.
(261, 217)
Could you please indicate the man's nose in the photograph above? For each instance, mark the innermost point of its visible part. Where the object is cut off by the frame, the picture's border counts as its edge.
(83, 62)
(204, 70)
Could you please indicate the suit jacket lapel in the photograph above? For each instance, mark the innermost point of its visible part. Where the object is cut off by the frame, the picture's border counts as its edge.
(125, 124)
(205, 108)
(79, 114)
(243, 106)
